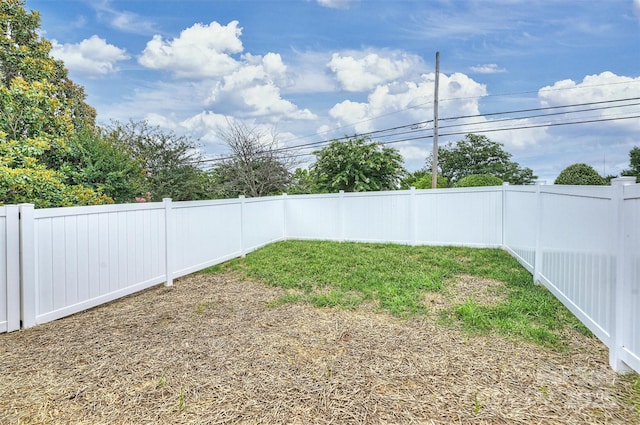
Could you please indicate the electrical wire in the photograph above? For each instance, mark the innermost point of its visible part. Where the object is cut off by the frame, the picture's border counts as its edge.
(415, 127)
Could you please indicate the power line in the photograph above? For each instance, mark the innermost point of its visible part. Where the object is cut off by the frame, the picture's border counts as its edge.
(477, 131)
(416, 127)
(460, 98)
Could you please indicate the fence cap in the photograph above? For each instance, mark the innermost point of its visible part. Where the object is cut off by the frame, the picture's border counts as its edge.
(623, 181)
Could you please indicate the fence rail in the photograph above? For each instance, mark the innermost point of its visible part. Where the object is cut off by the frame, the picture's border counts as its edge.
(582, 243)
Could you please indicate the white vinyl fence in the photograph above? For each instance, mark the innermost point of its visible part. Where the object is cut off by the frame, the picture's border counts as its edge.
(9, 269)
(582, 243)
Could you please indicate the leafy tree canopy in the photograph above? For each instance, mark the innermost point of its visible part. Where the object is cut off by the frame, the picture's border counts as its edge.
(475, 180)
(40, 110)
(301, 182)
(25, 54)
(357, 165)
(169, 162)
(580, 174)
(477, 154)
(634, 163)
(422, 179)
(107, 165)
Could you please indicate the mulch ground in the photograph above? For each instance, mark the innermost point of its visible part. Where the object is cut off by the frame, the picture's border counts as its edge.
(217, 349)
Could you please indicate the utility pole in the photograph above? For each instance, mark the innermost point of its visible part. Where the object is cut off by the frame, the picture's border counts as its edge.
(434, 159)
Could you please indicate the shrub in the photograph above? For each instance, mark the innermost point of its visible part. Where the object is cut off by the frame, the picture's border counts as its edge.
(580, 174)
(474, 180)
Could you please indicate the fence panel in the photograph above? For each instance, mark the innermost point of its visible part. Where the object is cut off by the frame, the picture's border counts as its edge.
(469, 216)
(205, 233)
(86, 256)
(377, 217)
(631, 290)
(520, 223)
(263, 222)
(9, 266)
(315, 217)
(578, 252)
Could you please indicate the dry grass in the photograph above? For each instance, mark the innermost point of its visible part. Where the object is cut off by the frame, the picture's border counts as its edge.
(212, 350)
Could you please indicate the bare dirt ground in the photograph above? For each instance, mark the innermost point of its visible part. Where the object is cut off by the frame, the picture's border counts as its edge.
(215, 349)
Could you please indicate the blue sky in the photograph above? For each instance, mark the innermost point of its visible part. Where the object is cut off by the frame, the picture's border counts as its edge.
(311, 70)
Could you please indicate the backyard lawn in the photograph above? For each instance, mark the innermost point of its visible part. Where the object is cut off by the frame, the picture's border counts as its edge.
(322, 332)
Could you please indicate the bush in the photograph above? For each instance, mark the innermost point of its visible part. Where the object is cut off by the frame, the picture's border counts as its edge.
(580, 174)
(421, 179)
(474, 180)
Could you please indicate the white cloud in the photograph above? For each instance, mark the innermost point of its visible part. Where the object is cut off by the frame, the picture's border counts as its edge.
(205, 125)
(601, 87)
(92, 56)
(489, 68)
(201, 51)
(336, 4)
(636, 9)
(309, 73)
(362, 72)
(254, 89)
(413, 100)
(122, 20)
(413, 153)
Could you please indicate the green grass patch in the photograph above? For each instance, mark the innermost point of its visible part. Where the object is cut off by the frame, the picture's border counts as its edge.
(396, 278)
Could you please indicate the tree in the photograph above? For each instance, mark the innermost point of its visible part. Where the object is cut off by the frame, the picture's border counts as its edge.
(33, 132)
(475, 180)
(476, 154)
(580, 174)
(105, 164)
(422, 179)
(169, 162)
(357, 165)
(301, 182)
(25, 54)
(634, 163)
(255, 166)
(40, 110)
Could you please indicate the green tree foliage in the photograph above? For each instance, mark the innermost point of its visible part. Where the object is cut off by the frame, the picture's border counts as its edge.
(255, 167)
(634, 163)
(422, 179)
(357, 165)
(475, 180)
(40, 109)
(580, 174)
(25, 54)
(301, 182)
(33, 132)
(169, 162)
(107, 165)
(477, 154)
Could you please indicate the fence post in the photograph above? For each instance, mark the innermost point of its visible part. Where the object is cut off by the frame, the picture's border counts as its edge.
(13, 267)
(28, 292)
(341, 216)
(537, 261)
(503, 242)
(169, 238)
(242, 252)
(619, 308)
